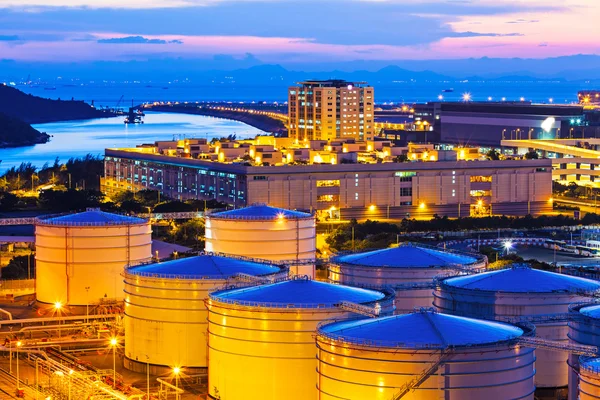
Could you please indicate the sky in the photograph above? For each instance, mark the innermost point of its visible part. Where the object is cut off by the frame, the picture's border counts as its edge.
(279, 31)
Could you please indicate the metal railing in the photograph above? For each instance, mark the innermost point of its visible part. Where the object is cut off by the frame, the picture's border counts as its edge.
(361, 309)
(556, 345)
(421, 378)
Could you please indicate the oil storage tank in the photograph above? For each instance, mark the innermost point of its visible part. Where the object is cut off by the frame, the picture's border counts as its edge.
(423, 355)
(409, 268)
(264, 232)
(584, 328)
(165, 313)
(589, 378)
(521, 293)
(260, 339)
(80, 257)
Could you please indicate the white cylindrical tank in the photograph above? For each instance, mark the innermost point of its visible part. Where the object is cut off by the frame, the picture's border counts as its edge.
(260, 339)
(165, 312)
(408, 268)
(589, 378)
(584, 328)
(516, 293)
(79, 257)
(264, 232)
(454, 358)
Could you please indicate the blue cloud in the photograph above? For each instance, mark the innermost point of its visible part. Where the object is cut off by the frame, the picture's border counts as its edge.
(479, 34)
(138, 40)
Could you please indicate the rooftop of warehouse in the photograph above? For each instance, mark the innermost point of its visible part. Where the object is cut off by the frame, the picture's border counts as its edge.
(422, 329)
(204, 266)
(523, 279)
(92, 217)
(298, 293)
(406, 255)
(260, 211)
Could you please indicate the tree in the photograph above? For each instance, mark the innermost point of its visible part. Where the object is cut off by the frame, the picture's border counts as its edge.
(401, 158)
(493, 155)
(532, 155)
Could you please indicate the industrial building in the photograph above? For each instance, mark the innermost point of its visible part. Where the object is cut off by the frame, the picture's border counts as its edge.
(584, 328)
(520, 293)
(410, 269)
(80, 257)
(425, 356)
(375, 190)
(265, 232)
(332, 109)
(260, 339)
(165, 314)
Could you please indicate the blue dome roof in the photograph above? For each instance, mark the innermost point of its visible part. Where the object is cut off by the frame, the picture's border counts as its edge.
(591, 311)
(590, 363)
(522, 279)
(298, 292)
(260, 212)
(93, 218)
(204, 267)
(406, 256)
(423, 329)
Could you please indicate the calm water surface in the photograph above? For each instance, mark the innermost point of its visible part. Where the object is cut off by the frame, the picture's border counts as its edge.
(78, 138)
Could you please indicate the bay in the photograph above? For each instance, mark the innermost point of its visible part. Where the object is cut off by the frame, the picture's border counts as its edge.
(78, 138)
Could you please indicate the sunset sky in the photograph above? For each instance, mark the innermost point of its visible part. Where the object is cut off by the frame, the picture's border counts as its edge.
(296, 30)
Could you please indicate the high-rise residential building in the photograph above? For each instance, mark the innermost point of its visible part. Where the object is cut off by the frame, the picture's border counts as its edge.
(333, 109)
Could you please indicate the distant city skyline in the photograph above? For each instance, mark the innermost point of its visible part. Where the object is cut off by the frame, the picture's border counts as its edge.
(295, 31)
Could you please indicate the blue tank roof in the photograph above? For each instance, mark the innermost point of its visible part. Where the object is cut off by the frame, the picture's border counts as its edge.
(522, 279)
(406, 256)
(590, 363)
(93, 218)
(204, 267)
(260, 212)
(591, 311)
(422, 329)
(298, 292)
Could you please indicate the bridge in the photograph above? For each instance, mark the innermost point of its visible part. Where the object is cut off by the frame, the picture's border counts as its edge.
(150, 216)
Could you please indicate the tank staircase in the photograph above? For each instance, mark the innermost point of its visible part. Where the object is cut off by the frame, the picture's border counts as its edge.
(556, 345)
(420, 379)
(247, 278)
(361, 309)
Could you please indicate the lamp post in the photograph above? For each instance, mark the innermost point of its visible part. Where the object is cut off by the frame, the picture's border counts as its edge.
(87, 304)
(113, 343)
(176, 371)
(19, 344)
(148, 376)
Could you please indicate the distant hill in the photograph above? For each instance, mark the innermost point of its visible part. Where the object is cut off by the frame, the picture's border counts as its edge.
(14, 133)
(36, 110)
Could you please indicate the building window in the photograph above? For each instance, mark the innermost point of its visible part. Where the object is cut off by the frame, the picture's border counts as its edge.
(405, 191)
(326, 198)
(355, 196)
(481, 193)
(329, 183)
(405, 176)
(480, 178)
(453, 192)
(259, 178)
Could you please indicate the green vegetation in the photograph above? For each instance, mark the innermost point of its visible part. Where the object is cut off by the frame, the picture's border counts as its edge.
(374, 234)
(20, 267)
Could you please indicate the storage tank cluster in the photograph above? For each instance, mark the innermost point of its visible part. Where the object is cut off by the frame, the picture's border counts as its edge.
(80, 257)
(265, 232)
(409, 268)
(260, 339)
(165, 313)
(423, 356)
(521, 293)
(584, 329)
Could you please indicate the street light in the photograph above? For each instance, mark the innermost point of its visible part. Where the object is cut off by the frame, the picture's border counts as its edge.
(507, 246)
(19, 344)
(176, 371)
(113, 343)
(87, 304)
